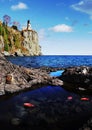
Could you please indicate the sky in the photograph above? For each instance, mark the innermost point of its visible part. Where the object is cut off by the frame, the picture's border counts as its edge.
(64, 27)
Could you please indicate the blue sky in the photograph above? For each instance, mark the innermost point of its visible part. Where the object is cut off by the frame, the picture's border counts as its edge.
(64, 26)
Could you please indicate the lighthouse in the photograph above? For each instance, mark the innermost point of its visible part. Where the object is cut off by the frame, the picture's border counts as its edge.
(29, 25)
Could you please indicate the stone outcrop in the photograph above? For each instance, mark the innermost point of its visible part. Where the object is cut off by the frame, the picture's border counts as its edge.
(79, 77)
(15, 78)
(19, 43)
(30, 42)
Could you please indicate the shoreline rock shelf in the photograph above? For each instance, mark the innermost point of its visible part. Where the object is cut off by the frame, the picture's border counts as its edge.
(79, 77)
(15, 78)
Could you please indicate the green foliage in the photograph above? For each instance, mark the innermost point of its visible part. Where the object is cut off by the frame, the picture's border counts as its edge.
(2, 30)
(6, 46)
(17, 41)
(12, 39)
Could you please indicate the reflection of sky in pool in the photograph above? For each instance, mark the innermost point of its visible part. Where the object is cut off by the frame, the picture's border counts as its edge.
(57, 73)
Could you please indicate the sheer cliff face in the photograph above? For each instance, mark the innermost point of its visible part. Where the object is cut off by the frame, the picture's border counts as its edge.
(1, 43)
(30, 42)
(21, 43)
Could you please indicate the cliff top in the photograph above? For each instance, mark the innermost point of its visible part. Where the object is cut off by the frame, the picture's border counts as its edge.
(13, 41)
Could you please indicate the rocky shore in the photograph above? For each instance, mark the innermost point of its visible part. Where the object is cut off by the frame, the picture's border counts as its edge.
(79, 78)
(15, 78)
(69, 109)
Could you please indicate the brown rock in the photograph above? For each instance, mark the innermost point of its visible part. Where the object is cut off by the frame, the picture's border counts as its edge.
(8, 78)
(11, 88)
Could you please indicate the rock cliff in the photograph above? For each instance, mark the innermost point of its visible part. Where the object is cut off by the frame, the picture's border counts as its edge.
(30, 42)
(19, 43)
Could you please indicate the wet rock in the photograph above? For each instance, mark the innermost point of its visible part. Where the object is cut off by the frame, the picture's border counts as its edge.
(11, 88)
(57, 82)
(78, 76)
(87, 128)
(15, 121)
(2, 92)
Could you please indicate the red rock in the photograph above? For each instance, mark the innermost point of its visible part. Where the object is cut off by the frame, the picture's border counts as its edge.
(27, 104)
(85, 99)
(69, 97)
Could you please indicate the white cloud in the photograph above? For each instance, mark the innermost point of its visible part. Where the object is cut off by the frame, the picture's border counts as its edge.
(19, 6)
(84, 6)
(62, 28)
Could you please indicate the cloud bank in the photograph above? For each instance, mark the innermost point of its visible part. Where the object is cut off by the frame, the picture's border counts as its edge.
(19, 6)
(61, 28)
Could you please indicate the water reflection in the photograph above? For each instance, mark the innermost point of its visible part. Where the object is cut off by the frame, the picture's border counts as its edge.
(57, 73)
(54, 108)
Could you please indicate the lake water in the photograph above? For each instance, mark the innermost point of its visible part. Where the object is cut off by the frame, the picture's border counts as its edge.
(52, 61)
(55, 108)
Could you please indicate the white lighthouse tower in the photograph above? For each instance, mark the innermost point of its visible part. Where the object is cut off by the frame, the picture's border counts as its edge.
(29, 25)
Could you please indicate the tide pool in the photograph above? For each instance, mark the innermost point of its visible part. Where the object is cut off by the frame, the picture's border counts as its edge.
(57, 73)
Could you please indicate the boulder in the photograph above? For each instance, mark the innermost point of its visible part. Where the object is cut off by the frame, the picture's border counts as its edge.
(78, 77)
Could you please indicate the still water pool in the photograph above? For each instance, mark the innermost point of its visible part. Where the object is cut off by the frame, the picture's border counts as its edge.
(54, 108)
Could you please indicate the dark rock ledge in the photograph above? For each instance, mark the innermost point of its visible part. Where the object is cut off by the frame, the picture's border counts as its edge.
(15, 78)
(79, 78)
